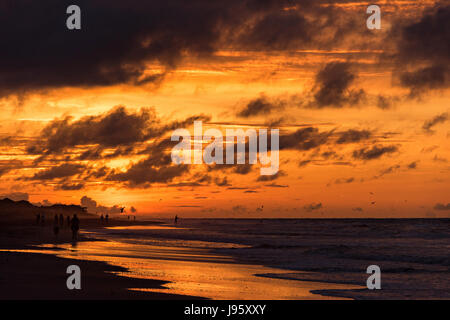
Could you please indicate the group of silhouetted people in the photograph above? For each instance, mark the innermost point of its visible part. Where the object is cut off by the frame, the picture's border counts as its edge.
(58, 223)
(104, 219)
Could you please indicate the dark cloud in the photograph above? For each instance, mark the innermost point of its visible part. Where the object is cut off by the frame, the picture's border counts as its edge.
(222, 182)
(239, 209)
(119, 39)
(71, 186)
(280, 173)
(303, 163)
(115, 133)
(440, 206)
(144, 173)
(276, 185)
(412, 165)
(313, 206)
(118, 127)
(62, 171)
(279, 30)
(344, 180)
(422, 50)
(333, 86)
(373, 153)
(304, 139)
(93, 207)
(388, 170)
(260, 106)
(16, 196)
(9, 165)
(429, 124)
(352, 135)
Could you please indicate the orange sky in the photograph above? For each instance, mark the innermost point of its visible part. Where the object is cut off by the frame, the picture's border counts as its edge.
(329, 180)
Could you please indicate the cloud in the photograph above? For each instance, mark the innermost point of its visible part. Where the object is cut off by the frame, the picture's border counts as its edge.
(443, 207)
(313, 207)
(373, 153)
(412, 165)
(144, 173)
(93, 207)
(239, 209)
(332, 86)
(280, 173)
(62, 171)
(429, 124)
(118, 127)
(352, 136)
(260, 106)
(70, 186)
(118, 40)
(304, 139)
(344, 180)
(16, 196)
(422, 50)
(9, 165)
(275, 185)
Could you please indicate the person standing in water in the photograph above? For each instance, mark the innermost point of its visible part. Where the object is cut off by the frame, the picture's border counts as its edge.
(75, 226)
(56, 226)
(176, 219)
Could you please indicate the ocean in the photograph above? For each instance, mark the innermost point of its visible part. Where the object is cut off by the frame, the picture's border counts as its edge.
(280, 258)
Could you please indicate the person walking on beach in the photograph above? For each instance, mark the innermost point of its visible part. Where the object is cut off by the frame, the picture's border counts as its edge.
(75, 226)
(176, 219)
(101, 219)
(106, 218)
(56, 226)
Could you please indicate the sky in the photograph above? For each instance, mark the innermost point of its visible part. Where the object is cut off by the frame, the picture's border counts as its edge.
(363, 115)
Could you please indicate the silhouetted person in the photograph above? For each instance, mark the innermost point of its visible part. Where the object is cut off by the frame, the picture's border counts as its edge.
(101, 219)
(56, 226)
(38, 218)
(61, 221)
(175, 220)
(106, 218)
(74, 226)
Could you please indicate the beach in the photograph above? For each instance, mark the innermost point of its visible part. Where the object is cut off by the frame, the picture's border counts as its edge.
(282, 259)
(25, 274)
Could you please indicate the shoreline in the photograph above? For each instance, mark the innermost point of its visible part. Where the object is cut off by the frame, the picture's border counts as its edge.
(31, 276)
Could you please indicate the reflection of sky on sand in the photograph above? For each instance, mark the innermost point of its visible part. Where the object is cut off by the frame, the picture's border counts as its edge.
(191, 271)
(151, 227)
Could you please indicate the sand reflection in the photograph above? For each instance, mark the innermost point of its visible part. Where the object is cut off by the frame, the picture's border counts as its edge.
(192, 271)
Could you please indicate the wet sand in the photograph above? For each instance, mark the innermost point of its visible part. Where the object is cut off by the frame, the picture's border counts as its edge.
(171, 271)
(28, 275)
